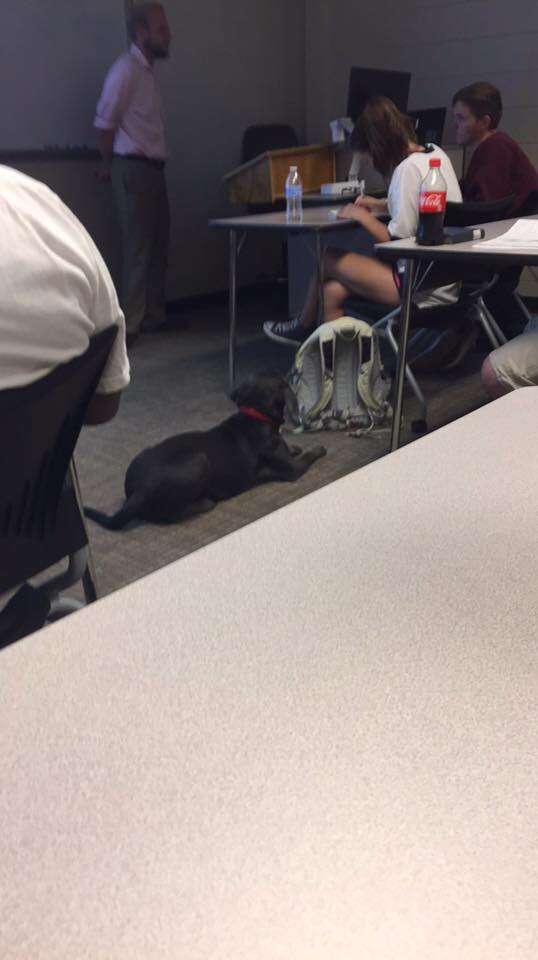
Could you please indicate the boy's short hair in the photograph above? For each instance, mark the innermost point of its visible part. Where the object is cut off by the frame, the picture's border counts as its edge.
(483, 99)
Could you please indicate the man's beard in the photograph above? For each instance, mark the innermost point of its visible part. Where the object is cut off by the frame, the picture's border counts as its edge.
(159, 53)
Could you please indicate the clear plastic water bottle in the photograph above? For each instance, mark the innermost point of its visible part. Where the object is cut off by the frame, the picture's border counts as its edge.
(294, 197)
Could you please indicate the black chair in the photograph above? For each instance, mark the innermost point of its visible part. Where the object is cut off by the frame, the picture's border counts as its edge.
(504, 302)
(263, 137)
(479, 281)
(473, 212)
(41, 519)
(259, 139)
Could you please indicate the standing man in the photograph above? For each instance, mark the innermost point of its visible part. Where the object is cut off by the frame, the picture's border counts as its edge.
(498, 165)
(129, 121)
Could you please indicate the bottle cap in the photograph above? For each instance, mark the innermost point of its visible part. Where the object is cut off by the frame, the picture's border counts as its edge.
(435, 162)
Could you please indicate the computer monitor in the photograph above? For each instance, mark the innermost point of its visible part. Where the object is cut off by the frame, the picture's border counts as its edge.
(364, 83)
(429, 124)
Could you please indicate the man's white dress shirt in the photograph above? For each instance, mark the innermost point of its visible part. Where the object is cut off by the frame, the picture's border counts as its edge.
(131, 105)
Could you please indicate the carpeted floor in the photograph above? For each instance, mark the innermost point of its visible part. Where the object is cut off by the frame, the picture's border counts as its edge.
(179, 382)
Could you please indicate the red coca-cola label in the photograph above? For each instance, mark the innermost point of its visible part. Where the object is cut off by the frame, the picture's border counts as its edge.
(432, 201)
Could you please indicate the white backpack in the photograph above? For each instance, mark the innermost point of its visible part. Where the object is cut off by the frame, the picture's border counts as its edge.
(338, 378)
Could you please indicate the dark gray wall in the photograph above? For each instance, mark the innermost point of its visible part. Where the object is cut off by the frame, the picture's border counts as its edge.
(445, 44)
(233, 63)
(52, 58)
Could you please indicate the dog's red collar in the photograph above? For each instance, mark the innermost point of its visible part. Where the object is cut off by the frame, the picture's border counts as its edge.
(257, 415)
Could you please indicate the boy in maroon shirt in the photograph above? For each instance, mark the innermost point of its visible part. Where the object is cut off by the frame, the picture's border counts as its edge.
(498, 168)
(498, 165)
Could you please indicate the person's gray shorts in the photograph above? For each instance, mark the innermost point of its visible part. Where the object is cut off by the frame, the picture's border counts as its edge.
(516, 363)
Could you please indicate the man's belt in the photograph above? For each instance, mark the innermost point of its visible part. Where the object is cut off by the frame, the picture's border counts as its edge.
(152, 161)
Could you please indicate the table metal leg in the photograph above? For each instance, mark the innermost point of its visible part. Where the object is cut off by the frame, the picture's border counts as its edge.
(235, 250)
(319, 277)
(405, 318)
(89, 580)
(233, 308)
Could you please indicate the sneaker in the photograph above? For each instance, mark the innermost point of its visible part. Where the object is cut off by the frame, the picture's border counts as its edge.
(286, 331)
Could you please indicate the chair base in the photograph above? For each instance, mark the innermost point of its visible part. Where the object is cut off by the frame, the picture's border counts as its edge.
(32, 607)
(419, 426)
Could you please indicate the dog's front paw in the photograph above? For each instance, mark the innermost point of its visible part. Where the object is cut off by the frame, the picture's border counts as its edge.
(294, 451)
(318, 451)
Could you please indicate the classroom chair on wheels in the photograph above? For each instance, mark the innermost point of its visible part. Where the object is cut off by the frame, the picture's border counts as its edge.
(475, 282)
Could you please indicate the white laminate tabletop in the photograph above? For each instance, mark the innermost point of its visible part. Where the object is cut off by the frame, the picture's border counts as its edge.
(314, 219)
(471, 250)
(315, 739)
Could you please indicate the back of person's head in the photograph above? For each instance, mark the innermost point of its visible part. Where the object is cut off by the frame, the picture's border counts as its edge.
(483, 100)
(140, 17)
(384, 132)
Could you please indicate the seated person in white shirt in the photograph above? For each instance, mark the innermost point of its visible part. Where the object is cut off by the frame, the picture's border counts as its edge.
(513, 365)
(56, 293)
(386, 135)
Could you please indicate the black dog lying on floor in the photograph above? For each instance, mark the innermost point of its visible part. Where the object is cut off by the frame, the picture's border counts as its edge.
(187, 474)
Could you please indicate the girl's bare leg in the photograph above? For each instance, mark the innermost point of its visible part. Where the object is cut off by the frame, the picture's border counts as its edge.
(347, 273)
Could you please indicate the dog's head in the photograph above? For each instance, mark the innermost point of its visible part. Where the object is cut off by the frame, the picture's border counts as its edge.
(269, 393)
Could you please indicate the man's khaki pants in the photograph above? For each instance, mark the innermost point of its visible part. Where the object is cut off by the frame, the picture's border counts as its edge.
(142, 201)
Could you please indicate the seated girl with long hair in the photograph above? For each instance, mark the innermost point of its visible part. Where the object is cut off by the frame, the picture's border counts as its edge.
(387, 136)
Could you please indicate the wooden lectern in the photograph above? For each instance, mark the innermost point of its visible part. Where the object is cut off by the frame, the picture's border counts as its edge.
(262, 180)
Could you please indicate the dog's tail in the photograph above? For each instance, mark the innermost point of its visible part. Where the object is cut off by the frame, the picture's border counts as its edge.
(118, 520)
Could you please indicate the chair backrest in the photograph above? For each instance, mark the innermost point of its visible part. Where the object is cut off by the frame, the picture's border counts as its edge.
(272, 136)
(530, 206)
(472, 276)
(469, 212)
(39, 425)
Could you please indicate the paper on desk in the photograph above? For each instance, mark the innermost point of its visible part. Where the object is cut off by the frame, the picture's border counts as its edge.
(521, 235)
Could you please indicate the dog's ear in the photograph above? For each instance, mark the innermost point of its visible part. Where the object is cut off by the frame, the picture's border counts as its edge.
(240, 395)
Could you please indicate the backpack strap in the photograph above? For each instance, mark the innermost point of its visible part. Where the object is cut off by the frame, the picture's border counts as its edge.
(371, 386)
(321, 345)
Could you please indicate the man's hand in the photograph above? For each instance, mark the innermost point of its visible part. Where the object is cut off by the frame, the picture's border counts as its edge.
(102, 174)
(102, 408)
(105, 143)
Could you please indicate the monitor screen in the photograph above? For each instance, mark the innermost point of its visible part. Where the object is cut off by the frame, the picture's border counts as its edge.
(364, 84)
(429, 124)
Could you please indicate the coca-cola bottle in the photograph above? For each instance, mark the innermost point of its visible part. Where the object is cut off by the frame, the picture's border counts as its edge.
(432, 206)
